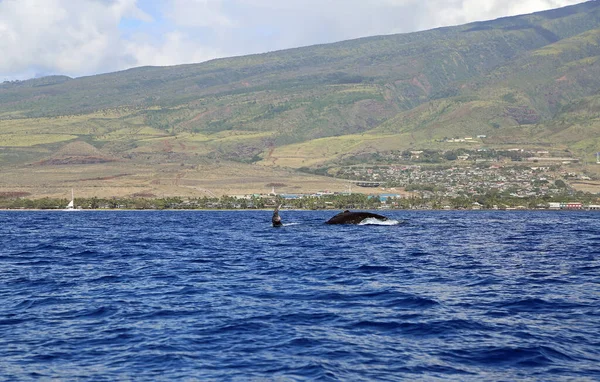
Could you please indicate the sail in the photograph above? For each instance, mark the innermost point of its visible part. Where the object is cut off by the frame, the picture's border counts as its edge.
(71, 205)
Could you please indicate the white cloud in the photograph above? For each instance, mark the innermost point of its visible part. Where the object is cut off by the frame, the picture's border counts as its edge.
(83, 37)
(80, 37)
(198, 13)
(449, 12)
(62, 35)
(175, 48)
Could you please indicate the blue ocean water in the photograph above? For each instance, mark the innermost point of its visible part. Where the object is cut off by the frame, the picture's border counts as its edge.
(200, 295)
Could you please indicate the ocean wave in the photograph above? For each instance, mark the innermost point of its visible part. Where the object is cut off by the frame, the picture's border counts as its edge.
(537, 305)
(375, 221)
(524, 356)
(375, 269)
(444, 327)
(412, 302)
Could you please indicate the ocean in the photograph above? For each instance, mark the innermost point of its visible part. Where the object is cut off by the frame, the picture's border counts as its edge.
(224, 296)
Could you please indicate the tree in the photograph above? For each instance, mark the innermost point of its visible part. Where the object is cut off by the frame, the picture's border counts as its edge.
(450, 155)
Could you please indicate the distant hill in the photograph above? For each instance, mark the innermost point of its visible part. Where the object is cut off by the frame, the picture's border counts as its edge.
(531, 79)
(77, 153)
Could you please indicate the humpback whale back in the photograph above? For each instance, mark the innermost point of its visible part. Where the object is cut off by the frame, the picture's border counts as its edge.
(348, 217)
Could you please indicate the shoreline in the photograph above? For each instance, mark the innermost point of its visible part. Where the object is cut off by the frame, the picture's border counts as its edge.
(291, 209)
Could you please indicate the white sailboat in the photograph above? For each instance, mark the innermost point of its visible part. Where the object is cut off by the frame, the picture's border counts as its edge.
(71, 205)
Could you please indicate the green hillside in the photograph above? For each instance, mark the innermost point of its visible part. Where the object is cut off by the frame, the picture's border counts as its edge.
(532, 79)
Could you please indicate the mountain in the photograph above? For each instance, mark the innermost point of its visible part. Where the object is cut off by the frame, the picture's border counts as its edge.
(525, 80)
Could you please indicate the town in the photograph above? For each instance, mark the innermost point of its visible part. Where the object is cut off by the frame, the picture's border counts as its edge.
(421, 179)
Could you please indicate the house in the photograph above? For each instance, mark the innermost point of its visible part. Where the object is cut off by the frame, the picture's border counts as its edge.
(291, 196)
(384, 197)
(415, 154)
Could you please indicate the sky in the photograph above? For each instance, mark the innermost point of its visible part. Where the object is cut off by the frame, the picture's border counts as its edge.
(86, 37)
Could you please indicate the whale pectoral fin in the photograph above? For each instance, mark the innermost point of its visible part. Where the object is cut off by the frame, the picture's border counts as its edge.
(276, 220)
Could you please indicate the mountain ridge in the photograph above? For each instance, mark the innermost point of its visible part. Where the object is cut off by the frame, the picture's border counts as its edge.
(533, 78)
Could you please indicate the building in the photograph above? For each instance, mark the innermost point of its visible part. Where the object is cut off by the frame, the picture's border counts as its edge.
(384, 197)
(574, 206)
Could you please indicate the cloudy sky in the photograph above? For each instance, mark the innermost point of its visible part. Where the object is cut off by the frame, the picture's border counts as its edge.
(83, 37)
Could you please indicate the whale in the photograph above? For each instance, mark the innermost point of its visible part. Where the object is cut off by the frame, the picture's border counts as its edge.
(276, 219)
(348, 217)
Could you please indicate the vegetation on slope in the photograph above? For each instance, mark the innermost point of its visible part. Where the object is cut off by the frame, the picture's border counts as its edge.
(531, 79)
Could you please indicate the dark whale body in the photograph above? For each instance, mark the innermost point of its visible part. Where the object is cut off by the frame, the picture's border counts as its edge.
(348, 217)
(276, 219)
